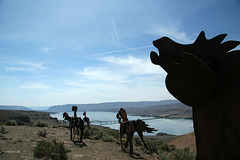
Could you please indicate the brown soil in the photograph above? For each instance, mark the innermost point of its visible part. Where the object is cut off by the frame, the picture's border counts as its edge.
(20, 141)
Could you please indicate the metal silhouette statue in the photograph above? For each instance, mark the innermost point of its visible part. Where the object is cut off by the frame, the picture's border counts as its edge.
(75, 123)
(206, 76)
(130, 127)
(86, 119)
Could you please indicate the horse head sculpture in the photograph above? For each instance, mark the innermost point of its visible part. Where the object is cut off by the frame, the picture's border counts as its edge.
(122, 115)
(206, 76)
(86, 119)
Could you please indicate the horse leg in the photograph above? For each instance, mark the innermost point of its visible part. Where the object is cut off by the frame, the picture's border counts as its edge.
(141, 136)
(82, 130)
(70, 132)
(74, 132)
(121, 135)
(126, 144)
(130, 142)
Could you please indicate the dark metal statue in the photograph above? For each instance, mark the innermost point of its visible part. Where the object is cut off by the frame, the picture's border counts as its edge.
(206, 76)
(75, 123)
(86, 119)
(130, 127)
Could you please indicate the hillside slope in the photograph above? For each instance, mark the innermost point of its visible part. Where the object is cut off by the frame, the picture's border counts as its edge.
(25, 117)
(175, 110)
(108, 106)
(185, 141)
(11, 107)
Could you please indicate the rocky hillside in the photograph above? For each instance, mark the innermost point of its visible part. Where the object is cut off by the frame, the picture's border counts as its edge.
(11, 107)
(25, 117)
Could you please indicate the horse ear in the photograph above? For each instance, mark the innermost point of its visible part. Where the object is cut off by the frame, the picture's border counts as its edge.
(201, 38)
(217, 40)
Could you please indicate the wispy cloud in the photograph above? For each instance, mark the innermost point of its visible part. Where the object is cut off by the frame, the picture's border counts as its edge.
(36, 65)
(46, 50)
(27, 66)
(114, 32)
(122, 50)
(35, 85)
(103, 74)
(16, 69)
(172, 32)
(137, 65)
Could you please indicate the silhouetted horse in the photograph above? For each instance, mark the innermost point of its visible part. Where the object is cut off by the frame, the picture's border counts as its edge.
(86, 119)
(74, 125)
(206, 76)
(129, 127)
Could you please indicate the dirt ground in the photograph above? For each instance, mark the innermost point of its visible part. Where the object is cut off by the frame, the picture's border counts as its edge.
(21, 140)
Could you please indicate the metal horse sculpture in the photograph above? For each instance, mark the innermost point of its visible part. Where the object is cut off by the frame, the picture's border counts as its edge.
(129, 127)
(206, 76)
(75, 123)
(86, 119)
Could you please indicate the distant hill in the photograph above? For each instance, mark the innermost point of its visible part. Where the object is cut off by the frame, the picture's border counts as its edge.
(174, 110)
(109, 106)
(161, 109)
(25, 117)
(9, 107)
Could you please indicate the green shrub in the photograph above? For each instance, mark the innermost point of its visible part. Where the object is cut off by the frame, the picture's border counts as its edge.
(50, 150)
(153, 145)
(162, 155)
(108, 138)
(87, 133)
(167, 148)
(40, 124)
(108, 135)
(182, 154)
(90, 131)
(2, 123)
(42, 133)
(112, 133)
(11, 123)
(3, 130)
(100, 134)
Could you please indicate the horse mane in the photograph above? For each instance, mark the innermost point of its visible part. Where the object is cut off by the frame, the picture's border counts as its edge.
(142, 126)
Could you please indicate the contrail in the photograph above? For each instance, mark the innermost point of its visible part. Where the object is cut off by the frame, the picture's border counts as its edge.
(123, 50)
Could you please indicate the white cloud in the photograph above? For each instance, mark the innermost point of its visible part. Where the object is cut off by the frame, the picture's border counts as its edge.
(15, 69)
(46, 50)
(170, 31)
(27, 66)
(104, 74)
(36, 65)
(35, 85)
(135, 65)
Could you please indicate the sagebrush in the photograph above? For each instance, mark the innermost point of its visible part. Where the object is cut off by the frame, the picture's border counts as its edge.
(50, 150)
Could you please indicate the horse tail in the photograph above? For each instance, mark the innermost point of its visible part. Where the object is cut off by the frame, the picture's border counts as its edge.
(142, 126)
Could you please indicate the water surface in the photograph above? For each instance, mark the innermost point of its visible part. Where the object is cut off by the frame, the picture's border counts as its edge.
(108, 119)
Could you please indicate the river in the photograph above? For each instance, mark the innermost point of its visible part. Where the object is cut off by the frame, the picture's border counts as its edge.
(108, 119)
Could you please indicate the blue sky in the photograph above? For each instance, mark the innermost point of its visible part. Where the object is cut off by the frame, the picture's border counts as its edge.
(74, 51)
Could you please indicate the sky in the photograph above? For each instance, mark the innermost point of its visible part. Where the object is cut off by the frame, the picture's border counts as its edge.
(92, 51)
